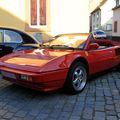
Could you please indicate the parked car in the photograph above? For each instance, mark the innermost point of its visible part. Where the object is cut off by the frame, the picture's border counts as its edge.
(99, 34)
(67, 61)
(13, 40)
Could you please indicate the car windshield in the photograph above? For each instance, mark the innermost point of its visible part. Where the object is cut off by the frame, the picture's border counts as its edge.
(68, 41)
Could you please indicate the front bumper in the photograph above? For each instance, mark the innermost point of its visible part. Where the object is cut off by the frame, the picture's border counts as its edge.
(39, 81)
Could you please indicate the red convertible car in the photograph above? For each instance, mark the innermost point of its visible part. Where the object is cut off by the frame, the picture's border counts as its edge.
(67, 61)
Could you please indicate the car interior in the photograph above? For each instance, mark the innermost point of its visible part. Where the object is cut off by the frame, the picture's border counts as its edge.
(103, 43)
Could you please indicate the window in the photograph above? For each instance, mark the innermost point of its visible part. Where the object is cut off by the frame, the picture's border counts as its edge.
(94, 27)
(97, 26)
(109, 27)
(115, 26)
(37, 13)
(117, 2)
(94, 18)
(12, 37)
(97, 16)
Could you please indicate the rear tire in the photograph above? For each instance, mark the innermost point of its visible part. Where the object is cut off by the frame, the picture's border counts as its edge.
(76, 79)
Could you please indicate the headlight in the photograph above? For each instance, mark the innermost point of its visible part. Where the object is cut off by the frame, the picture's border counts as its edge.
(26, 77)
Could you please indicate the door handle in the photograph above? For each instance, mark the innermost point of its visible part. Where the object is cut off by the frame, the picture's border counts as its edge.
(110, 51)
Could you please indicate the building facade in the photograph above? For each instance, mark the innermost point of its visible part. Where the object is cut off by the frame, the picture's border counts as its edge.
(102, 15)
(96, 19)
(95, 14)
(116, 21)
(45, 17)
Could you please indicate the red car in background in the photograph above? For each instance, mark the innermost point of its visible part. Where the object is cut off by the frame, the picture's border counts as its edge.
(67, 61)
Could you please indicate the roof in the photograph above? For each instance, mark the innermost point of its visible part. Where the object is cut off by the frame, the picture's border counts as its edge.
(116, 7)
(98, 7)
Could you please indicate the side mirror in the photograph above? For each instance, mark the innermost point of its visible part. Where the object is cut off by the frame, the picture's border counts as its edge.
(93, 46)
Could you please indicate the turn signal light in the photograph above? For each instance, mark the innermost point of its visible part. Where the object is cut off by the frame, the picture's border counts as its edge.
(26, 77)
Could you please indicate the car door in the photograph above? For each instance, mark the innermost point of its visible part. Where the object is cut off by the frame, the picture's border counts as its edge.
(102, 59)
(11, 40)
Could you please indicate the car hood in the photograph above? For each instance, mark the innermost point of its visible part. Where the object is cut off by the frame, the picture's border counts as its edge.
(37, 60)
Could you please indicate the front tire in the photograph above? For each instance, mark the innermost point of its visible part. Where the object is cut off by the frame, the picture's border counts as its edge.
(76, 79)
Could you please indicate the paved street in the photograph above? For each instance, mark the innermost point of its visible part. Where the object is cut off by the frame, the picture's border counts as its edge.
(99, 101)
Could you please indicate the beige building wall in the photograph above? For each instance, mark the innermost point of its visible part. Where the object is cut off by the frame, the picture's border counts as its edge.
(12, 13)
(65, 16)
(69, 16)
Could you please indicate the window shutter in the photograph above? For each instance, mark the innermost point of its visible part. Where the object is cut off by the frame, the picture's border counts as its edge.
(115, 26)
(42, 12)
(33, 12)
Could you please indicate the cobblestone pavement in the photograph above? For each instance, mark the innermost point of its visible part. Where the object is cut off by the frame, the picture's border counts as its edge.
(99, 101)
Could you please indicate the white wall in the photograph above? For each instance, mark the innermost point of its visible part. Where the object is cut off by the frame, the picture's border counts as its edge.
(69, 16)
(106, 12)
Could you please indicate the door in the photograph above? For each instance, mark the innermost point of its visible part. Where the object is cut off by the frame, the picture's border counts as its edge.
(102, 59)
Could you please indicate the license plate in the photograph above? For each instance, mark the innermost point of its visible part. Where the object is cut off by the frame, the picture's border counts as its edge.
(8, 74)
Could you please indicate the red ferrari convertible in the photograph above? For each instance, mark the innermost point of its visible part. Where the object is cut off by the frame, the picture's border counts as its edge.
(66, 61)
